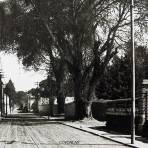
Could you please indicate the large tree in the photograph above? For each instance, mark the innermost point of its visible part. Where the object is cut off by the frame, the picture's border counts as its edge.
(84, 34)
(28, 37)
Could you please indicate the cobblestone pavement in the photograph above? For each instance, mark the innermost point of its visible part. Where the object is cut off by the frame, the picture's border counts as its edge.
(30, 131)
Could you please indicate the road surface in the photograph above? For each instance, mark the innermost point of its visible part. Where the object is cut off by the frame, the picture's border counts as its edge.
(31, 131)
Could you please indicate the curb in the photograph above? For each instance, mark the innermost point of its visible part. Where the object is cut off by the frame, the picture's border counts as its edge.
(97, 134)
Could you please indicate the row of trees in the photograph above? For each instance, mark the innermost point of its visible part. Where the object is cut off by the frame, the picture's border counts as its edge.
(18, 98)
(9, 90)
(76, 39)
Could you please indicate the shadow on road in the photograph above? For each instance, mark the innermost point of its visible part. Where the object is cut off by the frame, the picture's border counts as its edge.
(118, 134)
(29, 119)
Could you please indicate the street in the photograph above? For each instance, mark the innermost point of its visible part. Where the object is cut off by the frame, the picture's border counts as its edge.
(31, 131)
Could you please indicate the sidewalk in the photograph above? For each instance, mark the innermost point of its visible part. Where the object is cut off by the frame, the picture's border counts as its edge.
(98, 128)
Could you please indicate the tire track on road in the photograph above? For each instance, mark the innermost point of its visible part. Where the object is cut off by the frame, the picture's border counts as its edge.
(4, 133)
(39, 137)
(35, 144)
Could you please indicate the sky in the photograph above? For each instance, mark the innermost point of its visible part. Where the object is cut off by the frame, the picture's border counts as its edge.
(13, 69)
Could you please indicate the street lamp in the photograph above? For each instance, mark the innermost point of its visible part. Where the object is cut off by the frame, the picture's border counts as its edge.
(37, 96)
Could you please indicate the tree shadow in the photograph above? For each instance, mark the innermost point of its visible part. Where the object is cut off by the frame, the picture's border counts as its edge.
(29, 120)
(110, 130)
(116, 133)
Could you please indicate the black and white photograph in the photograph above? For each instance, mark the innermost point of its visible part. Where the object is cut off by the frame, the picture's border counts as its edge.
(73, 73)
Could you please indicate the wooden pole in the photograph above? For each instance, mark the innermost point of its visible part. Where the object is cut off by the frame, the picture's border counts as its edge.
(1, 98)
(6, 106)
(146, 106)
(133, 73)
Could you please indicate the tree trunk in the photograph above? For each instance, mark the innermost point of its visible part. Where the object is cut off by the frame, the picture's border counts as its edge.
(10, 104)
(88, 109)
(79, 108)
(51, 103)
(60, 97)
(90, 97)
(6, 105)
(79, 101)
(61, 102)
(89, 103)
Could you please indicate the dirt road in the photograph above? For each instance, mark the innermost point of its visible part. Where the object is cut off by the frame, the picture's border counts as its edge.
(31, 131)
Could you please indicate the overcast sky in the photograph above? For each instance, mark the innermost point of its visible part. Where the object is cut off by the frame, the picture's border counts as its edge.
(13, 69)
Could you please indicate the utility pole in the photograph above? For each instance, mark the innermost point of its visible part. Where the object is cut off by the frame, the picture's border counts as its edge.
(51, 101)
(6, 105)
(133, 73)
(1, 96)
(37, 83)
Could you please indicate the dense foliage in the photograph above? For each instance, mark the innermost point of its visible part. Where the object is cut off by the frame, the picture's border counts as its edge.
(117, 82)
(21, 99)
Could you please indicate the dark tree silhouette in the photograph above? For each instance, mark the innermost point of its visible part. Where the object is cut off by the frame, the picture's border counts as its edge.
(10, 91)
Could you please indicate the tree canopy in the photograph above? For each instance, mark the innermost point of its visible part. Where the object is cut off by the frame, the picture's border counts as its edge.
(21, 98)
(84, 35)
